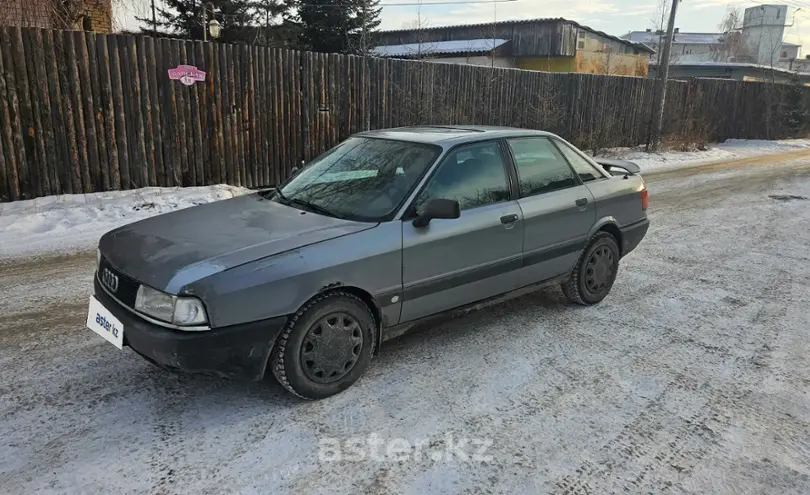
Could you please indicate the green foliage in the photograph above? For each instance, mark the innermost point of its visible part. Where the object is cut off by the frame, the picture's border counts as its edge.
(338, 26)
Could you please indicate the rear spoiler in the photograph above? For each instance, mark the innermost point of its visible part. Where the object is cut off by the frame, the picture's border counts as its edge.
(609, 164)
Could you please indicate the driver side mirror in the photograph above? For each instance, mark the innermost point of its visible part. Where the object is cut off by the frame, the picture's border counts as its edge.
(437, 208)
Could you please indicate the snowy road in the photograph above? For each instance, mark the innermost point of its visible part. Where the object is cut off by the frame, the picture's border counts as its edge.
(692, 376)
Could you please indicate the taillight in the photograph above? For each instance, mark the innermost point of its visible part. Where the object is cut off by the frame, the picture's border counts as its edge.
(644, 199)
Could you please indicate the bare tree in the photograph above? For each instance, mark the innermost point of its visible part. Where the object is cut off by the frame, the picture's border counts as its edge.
(732, 46)
(659, 21)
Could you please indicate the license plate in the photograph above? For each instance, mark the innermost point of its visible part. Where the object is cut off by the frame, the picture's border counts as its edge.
(101, 321)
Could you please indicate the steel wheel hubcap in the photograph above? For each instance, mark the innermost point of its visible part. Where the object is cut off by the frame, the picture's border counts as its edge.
(331, 348)
(599, 270)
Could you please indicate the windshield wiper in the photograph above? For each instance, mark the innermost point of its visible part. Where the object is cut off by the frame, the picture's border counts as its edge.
(312, 207)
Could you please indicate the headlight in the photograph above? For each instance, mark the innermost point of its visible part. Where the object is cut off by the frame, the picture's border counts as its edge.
(98, 258)
(178, 310)
(189, 311)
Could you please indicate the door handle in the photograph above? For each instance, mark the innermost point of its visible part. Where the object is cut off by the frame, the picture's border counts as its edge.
(582, 202)
(509, 219)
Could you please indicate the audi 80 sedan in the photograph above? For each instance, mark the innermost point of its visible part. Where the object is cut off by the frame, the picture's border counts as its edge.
(387, 229)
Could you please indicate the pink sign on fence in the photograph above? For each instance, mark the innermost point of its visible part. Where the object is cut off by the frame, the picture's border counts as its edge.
(186, 74)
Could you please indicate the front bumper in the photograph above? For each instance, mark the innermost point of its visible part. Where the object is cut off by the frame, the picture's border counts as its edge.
(633, 234)
(238, 352)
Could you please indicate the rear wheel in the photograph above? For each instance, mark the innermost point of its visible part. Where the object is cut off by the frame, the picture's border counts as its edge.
(325, 346)
(595, 272)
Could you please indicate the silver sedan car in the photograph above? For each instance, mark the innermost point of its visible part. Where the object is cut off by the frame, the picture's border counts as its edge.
(384, 231)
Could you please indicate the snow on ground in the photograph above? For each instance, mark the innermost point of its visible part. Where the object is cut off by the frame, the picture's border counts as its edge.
(73, 222)
(732, 149)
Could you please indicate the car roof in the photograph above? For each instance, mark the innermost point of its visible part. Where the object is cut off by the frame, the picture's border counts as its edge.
(445, 135)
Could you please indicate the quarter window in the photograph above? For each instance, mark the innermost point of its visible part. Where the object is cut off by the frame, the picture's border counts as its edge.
(581, 166)
(541, 167)
(473, 175)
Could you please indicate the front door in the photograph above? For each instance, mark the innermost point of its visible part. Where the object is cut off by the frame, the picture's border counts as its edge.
(450, 263)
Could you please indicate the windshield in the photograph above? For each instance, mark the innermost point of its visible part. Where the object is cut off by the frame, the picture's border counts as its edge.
(361, 178)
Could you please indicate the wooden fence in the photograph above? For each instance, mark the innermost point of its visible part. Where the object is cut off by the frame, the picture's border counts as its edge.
(81, 112)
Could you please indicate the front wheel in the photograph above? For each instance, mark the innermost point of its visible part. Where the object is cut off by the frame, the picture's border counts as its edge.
(595, 272)
(325, 346)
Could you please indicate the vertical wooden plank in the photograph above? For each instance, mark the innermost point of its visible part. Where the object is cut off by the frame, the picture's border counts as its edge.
(156, 78)
(253, 99)
(307, 95)
(71, 173)
(10, 177)
(39, 161)
(144, 59)
(210, 104)
(82, 166)
(219, 170)
(184, 149)
(107, 109)
(332, 100)
(19, 108)
(235, 110)
(283, 123)
(295, 111)
(94, 70)
(275, 112)
(227, 113)
(138, 165)
(120, 127)
(235, 75)
(263, 116)
(201, 123)
(195, 128)
(92, 180)
(247, 137)
(60, 158)
(171, 128)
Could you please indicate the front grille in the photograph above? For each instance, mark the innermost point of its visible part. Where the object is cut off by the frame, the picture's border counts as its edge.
(127, 287)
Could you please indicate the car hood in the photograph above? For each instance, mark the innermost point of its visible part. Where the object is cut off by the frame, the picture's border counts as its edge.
(172, 250)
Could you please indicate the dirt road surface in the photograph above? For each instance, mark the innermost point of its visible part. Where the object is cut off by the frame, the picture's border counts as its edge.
(692, 376)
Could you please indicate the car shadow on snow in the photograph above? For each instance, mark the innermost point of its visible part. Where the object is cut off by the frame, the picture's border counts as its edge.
(217, 395)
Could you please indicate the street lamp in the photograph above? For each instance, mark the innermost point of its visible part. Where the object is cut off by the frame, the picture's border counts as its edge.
(213, 27)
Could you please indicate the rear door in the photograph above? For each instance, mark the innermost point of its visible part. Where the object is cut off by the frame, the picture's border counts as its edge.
(558, 209)
(453, 262)
(613, 198)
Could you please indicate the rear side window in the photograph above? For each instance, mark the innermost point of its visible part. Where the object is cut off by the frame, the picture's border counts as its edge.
(585, 170)
(541, 167)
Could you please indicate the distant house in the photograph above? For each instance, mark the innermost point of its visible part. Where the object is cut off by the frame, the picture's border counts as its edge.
(555, 45)
(759, 41)
(89, 15)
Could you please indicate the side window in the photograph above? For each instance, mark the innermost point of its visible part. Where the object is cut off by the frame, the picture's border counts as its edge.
(585, 170)
(541, 167)
(473, 175)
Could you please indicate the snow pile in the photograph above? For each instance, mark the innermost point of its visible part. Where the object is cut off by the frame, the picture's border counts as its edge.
(74, 222)
(732, 149)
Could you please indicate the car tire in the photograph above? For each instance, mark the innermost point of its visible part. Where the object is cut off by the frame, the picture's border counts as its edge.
(325, 346)
(593, 276)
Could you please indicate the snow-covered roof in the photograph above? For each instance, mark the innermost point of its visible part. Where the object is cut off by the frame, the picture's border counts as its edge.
(648, 37)
(652, 38)
(439, 47)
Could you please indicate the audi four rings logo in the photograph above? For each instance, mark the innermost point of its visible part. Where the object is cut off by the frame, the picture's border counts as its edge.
(110, 279)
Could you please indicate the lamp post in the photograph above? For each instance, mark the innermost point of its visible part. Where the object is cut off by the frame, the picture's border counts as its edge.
(213, 27)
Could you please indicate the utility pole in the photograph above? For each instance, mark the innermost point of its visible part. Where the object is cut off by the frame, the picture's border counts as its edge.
(154, 20)
(663, 75)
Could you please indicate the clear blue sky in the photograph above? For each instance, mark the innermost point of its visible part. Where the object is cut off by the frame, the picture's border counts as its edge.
(612, 16)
